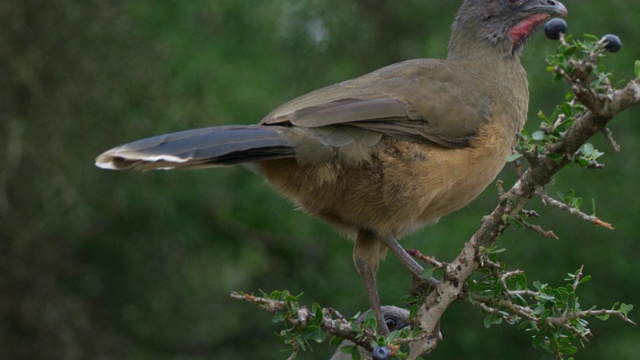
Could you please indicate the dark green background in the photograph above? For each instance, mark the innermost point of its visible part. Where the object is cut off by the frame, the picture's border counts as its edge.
(99, 264)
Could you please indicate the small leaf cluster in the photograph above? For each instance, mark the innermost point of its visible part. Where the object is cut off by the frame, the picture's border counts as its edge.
(571, 199)
(293, 336)
(563, 64)
(552, 314)
(557, 337)
(552, 129)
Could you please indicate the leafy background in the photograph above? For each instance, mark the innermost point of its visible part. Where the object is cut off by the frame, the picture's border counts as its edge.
(98, 264)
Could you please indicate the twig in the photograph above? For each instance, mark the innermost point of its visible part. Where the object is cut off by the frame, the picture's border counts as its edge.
(548, 200)
(558, 321)
(428, 259)
(485, 302)
(545, 233)
(609, 135)
(500, 185)
(485, 262)
(576, 280)
(339, 327)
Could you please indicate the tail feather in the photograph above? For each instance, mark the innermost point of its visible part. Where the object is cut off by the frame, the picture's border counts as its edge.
(199, 148)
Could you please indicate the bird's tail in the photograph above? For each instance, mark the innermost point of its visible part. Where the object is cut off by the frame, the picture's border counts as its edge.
(200, 148)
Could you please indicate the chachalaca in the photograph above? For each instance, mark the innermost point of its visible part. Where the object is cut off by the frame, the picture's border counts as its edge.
(384, 154)
(395, 318)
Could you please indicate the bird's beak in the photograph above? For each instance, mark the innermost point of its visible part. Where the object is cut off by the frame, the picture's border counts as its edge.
(552, 7)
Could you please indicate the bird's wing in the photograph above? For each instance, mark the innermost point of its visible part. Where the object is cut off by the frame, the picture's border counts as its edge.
(418, 100)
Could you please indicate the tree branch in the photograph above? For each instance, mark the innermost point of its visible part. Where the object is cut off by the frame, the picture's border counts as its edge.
(548, 200)
(332, 321)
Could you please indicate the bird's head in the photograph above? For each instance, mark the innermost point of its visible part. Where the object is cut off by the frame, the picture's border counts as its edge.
(500, 25)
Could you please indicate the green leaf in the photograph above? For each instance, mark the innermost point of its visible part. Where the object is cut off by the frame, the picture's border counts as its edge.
(411, 298)
(542, 116)
(603, 317)
(585, 279)
(546, 298)
(393, 335)
(625, 308)
(570, 350)
(513, 157)
(538, 135)
(537, 340)
(278, 317)
(351, 349)
(414, 311)
(427, 272)
(315, 333)
(355, 355)
(555, 157)
(516, 223)
(370, 319)
(521, 282)
(492, 319)
(592, 37)
(493, 250)
(335, 340)
(319, 317)
(404, 333)
(524, 325)
(587, 148)
(538, 285)
(636, 68)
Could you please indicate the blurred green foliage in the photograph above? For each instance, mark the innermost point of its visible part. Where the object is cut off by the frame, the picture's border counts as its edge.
(139, 265)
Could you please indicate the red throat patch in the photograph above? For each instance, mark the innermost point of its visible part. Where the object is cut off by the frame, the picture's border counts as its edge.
(525, 27)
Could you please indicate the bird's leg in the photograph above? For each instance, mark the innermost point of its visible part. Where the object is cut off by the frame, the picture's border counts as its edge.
(366, 255)
(414, 268)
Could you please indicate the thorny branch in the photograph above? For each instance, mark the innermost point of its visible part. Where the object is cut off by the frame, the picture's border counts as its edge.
(599, 110)
(332, 321)
(508, 299)
(548, 200)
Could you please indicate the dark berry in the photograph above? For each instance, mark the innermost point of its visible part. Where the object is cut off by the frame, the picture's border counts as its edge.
(381, 353)
(554, 27)
(612, 43)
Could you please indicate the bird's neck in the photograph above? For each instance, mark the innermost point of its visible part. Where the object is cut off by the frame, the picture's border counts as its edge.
(470, 43)
(488, 60)
(496, 63)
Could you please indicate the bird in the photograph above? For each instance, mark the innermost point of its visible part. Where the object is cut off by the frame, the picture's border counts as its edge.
(384, 154)
(395, 318)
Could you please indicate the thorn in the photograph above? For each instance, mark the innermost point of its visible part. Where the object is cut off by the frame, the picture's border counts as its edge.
(604, 224)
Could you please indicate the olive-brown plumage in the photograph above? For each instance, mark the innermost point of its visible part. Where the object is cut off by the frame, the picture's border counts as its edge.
(388, 152)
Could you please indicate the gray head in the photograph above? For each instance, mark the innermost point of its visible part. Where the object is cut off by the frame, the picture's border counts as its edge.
(503, 25)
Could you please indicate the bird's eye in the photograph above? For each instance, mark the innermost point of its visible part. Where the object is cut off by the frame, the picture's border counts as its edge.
(391, 323)
(514, 2)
